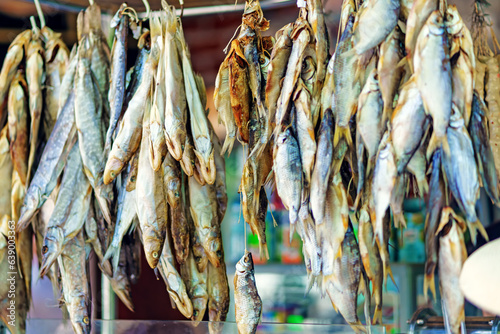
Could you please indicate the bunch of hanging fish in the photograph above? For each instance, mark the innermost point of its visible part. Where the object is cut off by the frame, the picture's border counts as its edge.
(403, 107)
(30, 81)
(125, 157)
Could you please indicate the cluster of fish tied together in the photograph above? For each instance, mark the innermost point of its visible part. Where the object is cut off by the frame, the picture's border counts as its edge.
(407, 105)
(127, 157)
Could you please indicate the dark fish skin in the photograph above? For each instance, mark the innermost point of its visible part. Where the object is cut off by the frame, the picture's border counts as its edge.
(322, 166)
(479, 131)
(435, 204)
(343, 287)
(116, 94)
(51, 164)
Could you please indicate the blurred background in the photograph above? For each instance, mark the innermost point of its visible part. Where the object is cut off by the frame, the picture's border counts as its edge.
(208, 27)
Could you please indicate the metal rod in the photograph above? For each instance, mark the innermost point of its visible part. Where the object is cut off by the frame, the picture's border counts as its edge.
(230, 8)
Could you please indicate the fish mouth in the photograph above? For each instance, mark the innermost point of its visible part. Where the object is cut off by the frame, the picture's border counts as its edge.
(199, 307)
(124, 295)
(113, 167)
(175, 146)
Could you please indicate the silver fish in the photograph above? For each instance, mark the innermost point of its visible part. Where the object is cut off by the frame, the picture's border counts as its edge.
(461, 172)
(288, 172)
(247, 301)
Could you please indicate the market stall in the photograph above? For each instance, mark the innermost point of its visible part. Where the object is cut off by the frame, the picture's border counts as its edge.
(217, 167)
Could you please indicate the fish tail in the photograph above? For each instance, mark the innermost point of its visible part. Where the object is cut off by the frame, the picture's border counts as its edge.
(365, 284)
(388, 272)
(473, 228)
(386, 113)
(434, 144)
(369, 166)
(377, 315)
(399, 220)
(263, 250)
(103, 205)
(342, 133)
(228, 146)
(429, 284)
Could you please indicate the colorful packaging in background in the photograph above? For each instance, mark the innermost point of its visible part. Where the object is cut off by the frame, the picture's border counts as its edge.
(412, 244)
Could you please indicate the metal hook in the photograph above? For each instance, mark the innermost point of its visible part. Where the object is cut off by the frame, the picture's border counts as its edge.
(181, 2)
(148, 9)
(40, 13)
(33, 25)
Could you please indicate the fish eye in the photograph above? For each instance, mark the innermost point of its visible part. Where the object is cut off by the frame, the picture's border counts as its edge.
(219, 253)
(155, 255)
(86, 320)
(112, 174)
(195, 313)
(45, 249)
(132, 179)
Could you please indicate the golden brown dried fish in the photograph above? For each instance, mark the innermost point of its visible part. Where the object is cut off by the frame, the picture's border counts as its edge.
(176, 104)
(18, 118)
(56, 62)
(222, 103)
(35, 77)
(150, 193)
(129, 136)
(389, 73)
(15, 53)
(239, 90)
(196, 284)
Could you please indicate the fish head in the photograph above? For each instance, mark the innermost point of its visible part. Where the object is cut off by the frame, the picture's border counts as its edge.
(152, 249)
(284, 137)
(245, 264)
(52, 248)
(176, 144)
(215, 253)
(454, 22)
(435, 22)
(174, 196)
(81, 320)
(187, 162)
(121, 286)
(456, 119)
(28, 210)
(113, 167)
(199, 307)
(207, 166)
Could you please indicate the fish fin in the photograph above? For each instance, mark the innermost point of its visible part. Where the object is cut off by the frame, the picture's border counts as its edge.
(434, 144)
(342, 133)
(445, 218)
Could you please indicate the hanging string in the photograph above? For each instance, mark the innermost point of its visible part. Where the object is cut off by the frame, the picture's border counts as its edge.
(148, 9)
(40, 13)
